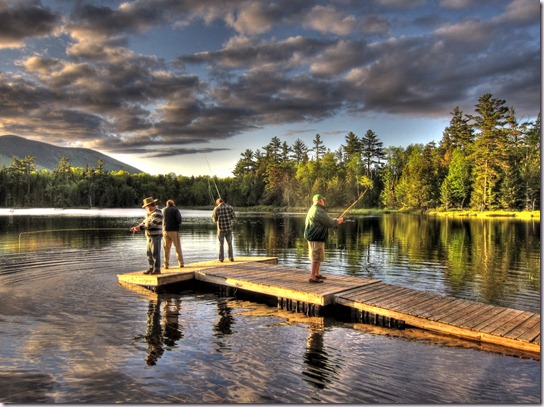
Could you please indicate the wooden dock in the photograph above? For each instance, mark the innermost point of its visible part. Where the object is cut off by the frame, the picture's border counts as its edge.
(371, 300)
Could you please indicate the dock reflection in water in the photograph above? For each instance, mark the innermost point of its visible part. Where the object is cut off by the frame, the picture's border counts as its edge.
(69, 333)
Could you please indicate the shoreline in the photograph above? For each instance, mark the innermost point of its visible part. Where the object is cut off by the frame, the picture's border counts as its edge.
(459, 213)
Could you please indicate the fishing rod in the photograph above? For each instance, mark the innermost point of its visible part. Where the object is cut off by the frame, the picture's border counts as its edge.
(211, 174)
(353, 204)
(369, 185)
(210, 190)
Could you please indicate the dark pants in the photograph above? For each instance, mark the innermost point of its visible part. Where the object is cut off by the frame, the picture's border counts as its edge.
(222, 236)
(154, 252)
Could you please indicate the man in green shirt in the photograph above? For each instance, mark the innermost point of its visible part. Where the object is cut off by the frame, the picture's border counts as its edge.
(316, 232)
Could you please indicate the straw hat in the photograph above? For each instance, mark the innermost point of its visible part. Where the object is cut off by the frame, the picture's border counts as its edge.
(149, 201)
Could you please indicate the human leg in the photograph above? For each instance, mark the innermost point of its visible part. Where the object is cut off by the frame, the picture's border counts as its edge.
(316, 254)
(149, 254)
(221, 238)
(228, 237)
(167, 245)
(156, 253)
(174, 236)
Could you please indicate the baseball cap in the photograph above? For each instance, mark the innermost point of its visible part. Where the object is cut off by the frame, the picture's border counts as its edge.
(317, 197)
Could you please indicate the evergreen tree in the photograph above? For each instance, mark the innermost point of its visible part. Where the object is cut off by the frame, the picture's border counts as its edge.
(352, 147)
(530, 164)
(490, 151)
(372, 152)
(245, 164)
(285, 152)
(511, 185)
(319, 148)
(455, 189)
(300, 151)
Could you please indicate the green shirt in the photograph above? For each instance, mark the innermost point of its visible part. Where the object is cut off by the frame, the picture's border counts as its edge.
(318, 222)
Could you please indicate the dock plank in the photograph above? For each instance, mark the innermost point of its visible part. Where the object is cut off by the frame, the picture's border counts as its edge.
(428, 304)
(513, 323)
(526, 325)
(498, 320)
(456, 306)
(469, 313)
(408, 297)
(437, 305)
(531, 334)
(485, 315)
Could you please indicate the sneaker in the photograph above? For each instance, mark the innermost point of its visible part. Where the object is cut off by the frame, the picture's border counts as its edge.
(148, 271)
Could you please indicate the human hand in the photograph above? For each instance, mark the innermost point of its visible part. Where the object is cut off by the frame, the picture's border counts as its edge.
(340, 220)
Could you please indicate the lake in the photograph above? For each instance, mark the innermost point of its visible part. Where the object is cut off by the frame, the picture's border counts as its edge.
(71, 334)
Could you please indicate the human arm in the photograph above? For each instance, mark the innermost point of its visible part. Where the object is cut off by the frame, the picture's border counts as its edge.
(214, 214)
(323, 218)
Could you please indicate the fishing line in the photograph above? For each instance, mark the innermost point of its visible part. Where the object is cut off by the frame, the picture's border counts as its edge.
(67, 230)
(211, 176)
(210, 191)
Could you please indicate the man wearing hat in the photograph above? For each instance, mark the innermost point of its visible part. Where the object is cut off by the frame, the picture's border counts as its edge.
(316, 232)
(152, 224)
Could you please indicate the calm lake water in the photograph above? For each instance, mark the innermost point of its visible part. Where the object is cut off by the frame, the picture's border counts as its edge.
(69, 333)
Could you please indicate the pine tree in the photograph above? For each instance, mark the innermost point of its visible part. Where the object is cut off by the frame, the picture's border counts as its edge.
(319, 148)
(299, 151)
(372, 153)
(490, 151)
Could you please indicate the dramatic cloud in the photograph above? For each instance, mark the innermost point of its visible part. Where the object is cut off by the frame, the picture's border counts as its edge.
(24, 19)
(167, 77)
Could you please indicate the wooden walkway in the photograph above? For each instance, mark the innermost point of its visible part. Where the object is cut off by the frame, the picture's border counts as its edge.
(370, 298)
(439, 313)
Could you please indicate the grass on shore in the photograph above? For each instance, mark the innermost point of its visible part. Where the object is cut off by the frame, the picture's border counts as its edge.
(527, 215)
(524, 215)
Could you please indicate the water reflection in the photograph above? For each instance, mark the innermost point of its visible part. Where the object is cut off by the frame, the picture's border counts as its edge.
(318, 370)
(495, 261)
(163, 328)
(62, 342)
(223, 325)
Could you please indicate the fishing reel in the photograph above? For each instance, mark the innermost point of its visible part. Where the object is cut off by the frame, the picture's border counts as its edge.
(349, 220)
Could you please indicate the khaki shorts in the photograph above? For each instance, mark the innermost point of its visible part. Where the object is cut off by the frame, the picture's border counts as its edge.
(317, 251)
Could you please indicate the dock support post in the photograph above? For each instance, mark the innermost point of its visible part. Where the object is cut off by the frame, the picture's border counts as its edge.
(308, 309)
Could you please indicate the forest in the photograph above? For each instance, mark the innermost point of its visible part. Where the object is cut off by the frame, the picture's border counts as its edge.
(486, 160)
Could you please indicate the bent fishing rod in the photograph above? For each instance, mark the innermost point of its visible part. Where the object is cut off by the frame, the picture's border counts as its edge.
(353, 204)
(365, 181)
(211, 176)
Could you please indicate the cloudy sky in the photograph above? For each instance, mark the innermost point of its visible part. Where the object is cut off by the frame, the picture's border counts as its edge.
(166, 84)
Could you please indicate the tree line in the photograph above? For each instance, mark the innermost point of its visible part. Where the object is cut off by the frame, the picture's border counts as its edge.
(485, 160)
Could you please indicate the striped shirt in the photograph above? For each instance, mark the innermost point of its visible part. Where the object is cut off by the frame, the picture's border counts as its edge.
(224, 216)
(153, 223)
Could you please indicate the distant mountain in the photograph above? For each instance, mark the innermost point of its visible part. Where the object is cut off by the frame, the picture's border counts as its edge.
(48, 155)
